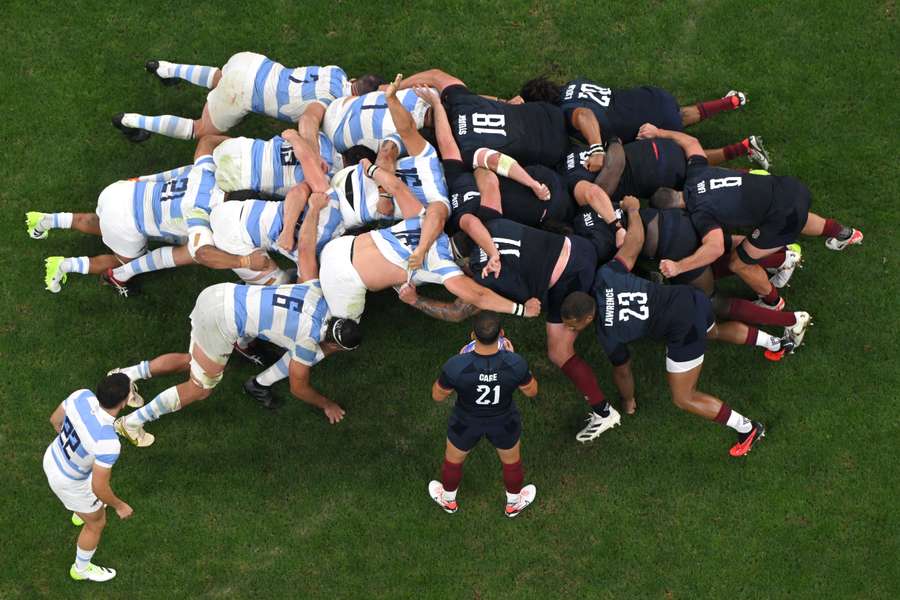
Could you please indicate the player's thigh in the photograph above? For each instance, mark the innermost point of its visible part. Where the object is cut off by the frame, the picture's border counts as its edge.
(683, 384)
(209, 347)
(96, 519)
(463, 434)
(511, 455)
(232, 98)
(454, 454)
(228, 157)
(560, 343)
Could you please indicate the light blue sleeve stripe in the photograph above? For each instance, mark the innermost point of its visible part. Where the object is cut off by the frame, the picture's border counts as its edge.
(258, 102)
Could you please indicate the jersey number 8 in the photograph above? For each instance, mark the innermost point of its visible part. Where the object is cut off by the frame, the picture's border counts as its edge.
(484, 391)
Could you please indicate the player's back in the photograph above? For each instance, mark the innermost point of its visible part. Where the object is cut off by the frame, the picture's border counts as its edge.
(424, 176)
(732, 198)
(485, 384)
(284, 93)
(650, 165)
(262, 221)
(366, 119)
(87, 436)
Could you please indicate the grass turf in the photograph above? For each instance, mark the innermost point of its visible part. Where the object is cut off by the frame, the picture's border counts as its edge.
(233, 501)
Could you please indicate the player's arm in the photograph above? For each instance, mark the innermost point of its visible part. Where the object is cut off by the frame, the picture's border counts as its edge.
(298, 375)
(442, 131)
(453, 312)
(634, 236)
(688, 143)
(530, 389)
(585, 121)
(202, 250)
(508, 167)
(307, 265)
(310, 160)
(712, 246)
(476, 230)
(386, 179)
(591, 194)
(470, 292)
(57, 416)
(309, 123)
(436, 214)
(433, 78)
(438, 392)
(294, 203)
(613, 166)
(101, 488)
(403, 121)
(387, 156)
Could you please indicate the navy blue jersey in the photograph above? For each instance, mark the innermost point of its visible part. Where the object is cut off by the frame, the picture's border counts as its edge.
(620, 112)
(588, 224)
(630, 308)
(484, 384)
(527, 255)
(532, 133)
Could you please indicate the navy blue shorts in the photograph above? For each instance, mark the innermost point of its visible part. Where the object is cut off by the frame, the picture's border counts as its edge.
(686, 340)
(578, 276)
(465, 430)
(787, 217)
(670, 111)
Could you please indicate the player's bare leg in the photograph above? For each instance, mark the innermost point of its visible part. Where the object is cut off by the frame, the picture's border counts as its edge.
(57, 268)
(507, 166)
(754, 275)
(741, 334)
(443, 492)
(88, 539)
(837, 236)
(38, 224)
(694, 113)
(752, 147)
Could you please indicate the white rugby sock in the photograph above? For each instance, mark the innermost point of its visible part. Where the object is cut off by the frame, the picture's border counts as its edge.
(167, 402)
(81, 264)
(196, 74)
(170, 125)
(157, 260)
(138, 371)
(769, 342)
(56, 221)
(739, 423)
(83, 557)
(276, 372)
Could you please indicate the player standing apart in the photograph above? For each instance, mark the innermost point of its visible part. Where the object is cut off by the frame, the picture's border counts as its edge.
(78, 464)
(484, 381)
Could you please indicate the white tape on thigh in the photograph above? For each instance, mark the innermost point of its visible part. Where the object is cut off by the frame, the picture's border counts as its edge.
(201, 378)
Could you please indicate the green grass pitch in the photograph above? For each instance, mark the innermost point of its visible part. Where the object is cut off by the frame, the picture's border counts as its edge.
(233, 501)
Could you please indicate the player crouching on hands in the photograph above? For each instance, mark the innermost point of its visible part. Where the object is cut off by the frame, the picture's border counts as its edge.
(484, 381)
(79, 462)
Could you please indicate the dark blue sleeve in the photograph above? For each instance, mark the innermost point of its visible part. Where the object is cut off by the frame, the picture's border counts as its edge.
(696, 164)
(617, 265)
(704, 222)
(521, 370)
(449, 374)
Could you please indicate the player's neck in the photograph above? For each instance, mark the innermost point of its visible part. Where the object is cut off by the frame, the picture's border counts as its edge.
(485, 349)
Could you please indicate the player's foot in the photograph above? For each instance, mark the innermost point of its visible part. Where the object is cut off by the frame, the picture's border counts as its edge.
(746, 441)
(92, 573)
(793, 257)
(135, 400)
(33, 224)
(757, 152)
(152, 66)
(777, 306)
(135, 435)
(76, 520)
(796, 332)
(526, 497)
(54, 276)
(597, 425)
(741, 96)
(132, 133)
(262, 394)
(436, 491)
(836, 244)
(124, 288)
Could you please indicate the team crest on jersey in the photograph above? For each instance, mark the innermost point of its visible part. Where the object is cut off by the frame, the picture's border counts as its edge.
(755, 234)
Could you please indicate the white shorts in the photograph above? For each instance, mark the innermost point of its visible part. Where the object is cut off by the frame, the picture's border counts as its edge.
(77, 496)
(210, 329)
(231, 100)
(344, 290)
(229, 159)
(115, 208)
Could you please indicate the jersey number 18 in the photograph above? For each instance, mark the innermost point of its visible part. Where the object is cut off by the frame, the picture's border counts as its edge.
(485, 123)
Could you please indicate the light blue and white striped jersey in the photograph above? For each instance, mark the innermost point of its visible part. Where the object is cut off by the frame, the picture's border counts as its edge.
(267, 166)
(294, 317)
(397, 242)
(263, 221)
(87, 437)
(366, 120)
(424, 176)
(285, 93)
(160, 206)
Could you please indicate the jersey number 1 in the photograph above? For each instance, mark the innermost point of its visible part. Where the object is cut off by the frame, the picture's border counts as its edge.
(485, 123)
(485, 391)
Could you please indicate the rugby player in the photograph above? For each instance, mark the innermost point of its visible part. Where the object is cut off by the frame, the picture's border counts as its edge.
(248, 82)
(171, 207)
(484, 380)
(775, 208)
(594, 113)
(625, 308)
(294, 317)
(78, 464)
(532, 133)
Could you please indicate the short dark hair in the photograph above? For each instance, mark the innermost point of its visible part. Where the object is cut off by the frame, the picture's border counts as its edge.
(368, 83)
(542, 89)
(577, 305)
(463, 244)
(113, 390)
(346, 333)
(354, 154)
(486, 326)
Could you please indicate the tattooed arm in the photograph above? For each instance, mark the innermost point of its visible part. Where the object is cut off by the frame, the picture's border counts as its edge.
(455, 312)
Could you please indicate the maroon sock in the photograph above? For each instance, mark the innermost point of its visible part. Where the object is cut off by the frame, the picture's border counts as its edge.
(724, 413)
(772, 297)
(832, 228)
(739, 149)
(712, 107)
(583, 377)
(513, 477)
(747, 312)
(773, 261)
(721, 268)
(751, 335)
(451, 475)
